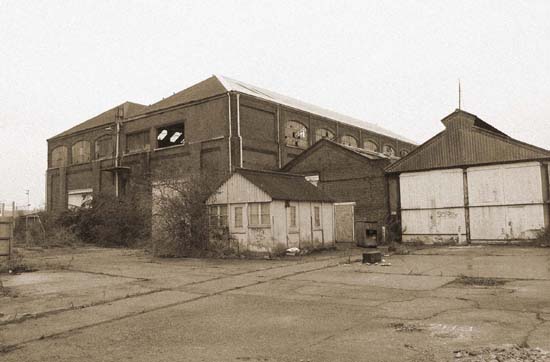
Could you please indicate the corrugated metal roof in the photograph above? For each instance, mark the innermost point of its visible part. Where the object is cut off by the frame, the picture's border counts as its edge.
(284, 186)
(104, 118)
(466, 141)
(238, 86)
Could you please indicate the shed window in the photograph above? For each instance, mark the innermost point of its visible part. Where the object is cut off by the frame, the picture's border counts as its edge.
(296, 134)
(389, 150)
(104, 147)
(321, 133)
(259, 214)
(81, 152)
(317, 216)
(238, 216)
(172, 135)
(138, 141)
(292, 216)
(348, 141)
(217, 215)
(59, 157)
(370, 145)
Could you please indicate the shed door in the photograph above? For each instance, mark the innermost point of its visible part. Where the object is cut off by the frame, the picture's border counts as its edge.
(344, 222)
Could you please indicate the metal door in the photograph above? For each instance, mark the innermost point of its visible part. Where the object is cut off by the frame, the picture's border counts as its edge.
(344, 222)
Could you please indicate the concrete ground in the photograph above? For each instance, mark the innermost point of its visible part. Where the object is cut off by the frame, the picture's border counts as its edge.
(122, 305)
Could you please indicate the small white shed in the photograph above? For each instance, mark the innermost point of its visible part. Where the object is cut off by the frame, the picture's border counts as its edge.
(262, 209)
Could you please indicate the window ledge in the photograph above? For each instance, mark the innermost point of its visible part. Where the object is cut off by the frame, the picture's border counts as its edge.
(169, 147)
(259, 227)
(129, 153)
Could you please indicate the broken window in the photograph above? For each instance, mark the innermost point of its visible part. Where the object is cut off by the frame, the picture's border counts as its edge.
(348, 140)
(370, 145)
(296, 135)
(217, 215)
(136, 142)
(321, 133)
(104, 147)
(81, 152)
(59, 157)
(317, 216)
(389, 150)
(259, 214)
(171, 135)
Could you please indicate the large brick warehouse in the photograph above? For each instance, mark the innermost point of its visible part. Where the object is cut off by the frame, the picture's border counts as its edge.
(213, 126)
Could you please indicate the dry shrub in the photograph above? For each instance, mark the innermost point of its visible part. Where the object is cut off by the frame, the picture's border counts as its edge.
(180, 215)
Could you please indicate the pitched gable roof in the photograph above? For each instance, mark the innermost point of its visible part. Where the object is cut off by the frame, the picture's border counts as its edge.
(207, 88)
(128, 108)
(217, 84)
(284, 186)
(466, 140)
(359, 153)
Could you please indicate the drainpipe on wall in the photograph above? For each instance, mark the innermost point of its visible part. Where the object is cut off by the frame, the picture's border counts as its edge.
(239, 130)
(229, 137)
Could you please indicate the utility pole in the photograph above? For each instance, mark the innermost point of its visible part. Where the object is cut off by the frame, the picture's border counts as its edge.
(459, 95)
(27, 192)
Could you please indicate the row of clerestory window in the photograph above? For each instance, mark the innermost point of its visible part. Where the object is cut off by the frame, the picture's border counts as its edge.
(296, 135)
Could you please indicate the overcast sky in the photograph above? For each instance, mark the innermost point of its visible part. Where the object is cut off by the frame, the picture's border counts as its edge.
(394, 63)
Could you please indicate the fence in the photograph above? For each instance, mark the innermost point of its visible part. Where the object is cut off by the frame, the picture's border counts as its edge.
(7, 226)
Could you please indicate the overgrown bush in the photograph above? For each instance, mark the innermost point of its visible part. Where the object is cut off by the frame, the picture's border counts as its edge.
(180, 215)
(109, 221)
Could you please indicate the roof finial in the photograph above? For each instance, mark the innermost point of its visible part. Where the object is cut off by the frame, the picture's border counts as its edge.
(459, 95)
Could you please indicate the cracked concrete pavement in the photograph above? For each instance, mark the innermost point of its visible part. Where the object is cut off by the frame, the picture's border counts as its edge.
(114, 305)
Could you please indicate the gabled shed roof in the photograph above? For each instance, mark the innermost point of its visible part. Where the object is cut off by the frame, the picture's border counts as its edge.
(284, 186)
(359, 153)
(466, 141)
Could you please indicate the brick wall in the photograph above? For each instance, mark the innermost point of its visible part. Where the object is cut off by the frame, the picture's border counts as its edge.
(349, 177)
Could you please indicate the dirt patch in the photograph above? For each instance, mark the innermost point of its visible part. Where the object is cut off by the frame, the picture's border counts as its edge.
(479, 281)
(503, 353)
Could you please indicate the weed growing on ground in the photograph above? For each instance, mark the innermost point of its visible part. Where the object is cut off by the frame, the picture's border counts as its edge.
(15, 265)
(480, 281)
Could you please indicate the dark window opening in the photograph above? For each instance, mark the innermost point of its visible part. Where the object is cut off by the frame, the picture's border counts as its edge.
(138, 141)
(171, 135)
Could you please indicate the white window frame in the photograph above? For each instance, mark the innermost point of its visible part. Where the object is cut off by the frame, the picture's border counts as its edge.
(261, 211)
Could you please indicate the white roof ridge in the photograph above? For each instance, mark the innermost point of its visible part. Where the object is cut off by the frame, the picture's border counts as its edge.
(236, 85)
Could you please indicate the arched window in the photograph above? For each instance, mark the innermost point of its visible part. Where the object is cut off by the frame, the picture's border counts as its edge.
(59, 157)
(321, 133)
(348, 141)
(389, 150)
(104, 147)
(370, 145)
(296, 134)
(404, 153)
(81, 152)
